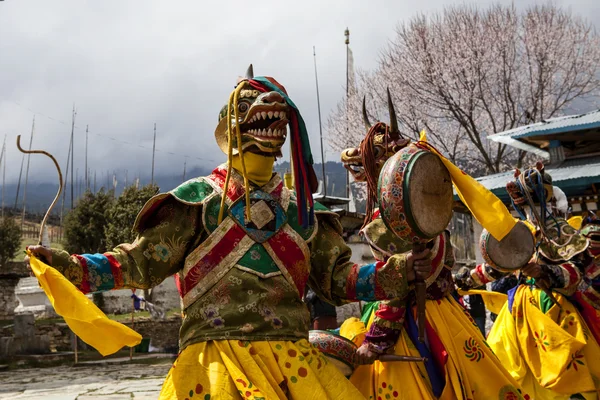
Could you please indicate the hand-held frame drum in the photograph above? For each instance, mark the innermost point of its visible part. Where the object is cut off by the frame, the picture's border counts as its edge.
(415, 202)
(511, 253)
(341, 352)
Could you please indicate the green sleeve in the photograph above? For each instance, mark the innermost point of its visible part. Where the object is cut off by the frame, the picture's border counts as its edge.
(338, 280)
(170, 231)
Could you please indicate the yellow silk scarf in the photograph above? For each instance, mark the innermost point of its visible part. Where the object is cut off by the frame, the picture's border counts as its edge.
(487, 209)
(259, 169)
(81, 315)
(494, 301)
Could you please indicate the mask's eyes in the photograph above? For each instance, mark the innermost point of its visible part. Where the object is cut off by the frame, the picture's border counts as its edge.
(243, 107)
(379, 152)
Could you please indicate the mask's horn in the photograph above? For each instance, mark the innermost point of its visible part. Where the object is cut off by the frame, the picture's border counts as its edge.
(393, 119)
(250, 72)
(365, 116)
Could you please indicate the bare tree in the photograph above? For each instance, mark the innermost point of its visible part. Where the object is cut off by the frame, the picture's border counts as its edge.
(466, 73)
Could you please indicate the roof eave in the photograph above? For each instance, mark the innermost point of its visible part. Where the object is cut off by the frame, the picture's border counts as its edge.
(519, 145)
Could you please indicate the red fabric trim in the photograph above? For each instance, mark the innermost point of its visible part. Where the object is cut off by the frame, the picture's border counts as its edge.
(438, 351)
(438, 260)
(379, 292)
(351, 281)
(205, 265)
(590, 314)
(593, 270)
(390, 313)
(480, 274)
(591, 294)
(179, 284)
(259, 87)
(218, 176)
(291, 255)
(573, 275)
(276, 193)
(85, 281)
(115, 269)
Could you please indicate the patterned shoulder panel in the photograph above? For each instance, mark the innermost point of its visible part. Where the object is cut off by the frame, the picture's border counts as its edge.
(320, 207)
(193, 192)
(292, 215)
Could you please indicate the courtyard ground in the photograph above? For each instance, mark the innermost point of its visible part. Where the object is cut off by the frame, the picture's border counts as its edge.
(106, 381)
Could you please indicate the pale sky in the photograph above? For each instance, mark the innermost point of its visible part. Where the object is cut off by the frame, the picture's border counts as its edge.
(127, 64)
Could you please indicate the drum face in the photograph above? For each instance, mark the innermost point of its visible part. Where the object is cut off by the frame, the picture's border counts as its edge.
(430, 195)
(415, 194)
(513, 252)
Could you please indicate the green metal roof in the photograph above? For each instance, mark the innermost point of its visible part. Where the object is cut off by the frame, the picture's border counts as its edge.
(553, 126)
(569, 123)
(572, 176)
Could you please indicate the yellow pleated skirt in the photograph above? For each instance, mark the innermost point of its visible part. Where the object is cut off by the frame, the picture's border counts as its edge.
(255, 370)
(553, 354)
(472, 371)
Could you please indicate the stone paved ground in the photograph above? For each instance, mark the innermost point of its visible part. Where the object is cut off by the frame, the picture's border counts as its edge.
(89, 382)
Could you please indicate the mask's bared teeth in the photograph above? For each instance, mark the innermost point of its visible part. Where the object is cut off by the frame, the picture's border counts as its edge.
(276, 114)
(282, 115)
(264, 115)
(270, 114)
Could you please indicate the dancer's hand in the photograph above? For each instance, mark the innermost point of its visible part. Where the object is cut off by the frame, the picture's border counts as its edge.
(533, 270)
(365, 356)
(41, 252)
(463, 278)
(418, 265)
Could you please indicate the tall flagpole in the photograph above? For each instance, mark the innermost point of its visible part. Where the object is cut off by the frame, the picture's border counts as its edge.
(3, 157)
(62, 209)
(320, 126)
(87, 175)
(347, 34)
(153, 150)
(72, 153)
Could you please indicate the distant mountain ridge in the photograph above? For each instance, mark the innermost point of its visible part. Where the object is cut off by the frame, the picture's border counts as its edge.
(41, 194)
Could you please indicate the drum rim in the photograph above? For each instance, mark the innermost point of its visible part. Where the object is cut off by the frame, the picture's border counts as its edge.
(352, 365)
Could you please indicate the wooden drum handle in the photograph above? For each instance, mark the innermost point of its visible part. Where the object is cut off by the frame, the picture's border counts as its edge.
(420, 289)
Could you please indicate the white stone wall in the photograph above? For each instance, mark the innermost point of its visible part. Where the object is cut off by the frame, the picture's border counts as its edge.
(164, 297)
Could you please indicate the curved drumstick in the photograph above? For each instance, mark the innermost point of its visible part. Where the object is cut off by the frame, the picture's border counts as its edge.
(60, 185)
(394, 357)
